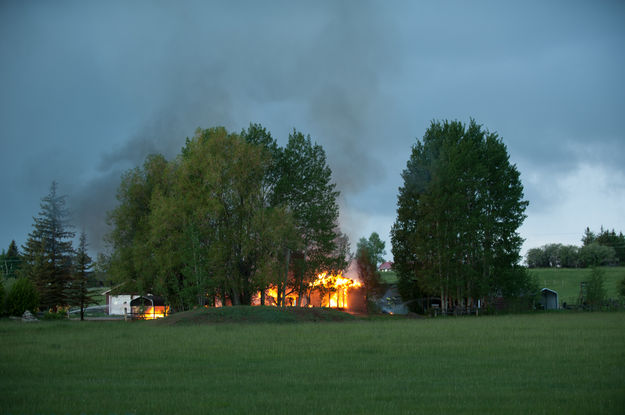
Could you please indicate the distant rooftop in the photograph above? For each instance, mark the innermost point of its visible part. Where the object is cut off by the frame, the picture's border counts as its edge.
(386, 266)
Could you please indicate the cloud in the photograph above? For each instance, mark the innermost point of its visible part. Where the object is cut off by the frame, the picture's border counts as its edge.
(590, 196)
(90, 89)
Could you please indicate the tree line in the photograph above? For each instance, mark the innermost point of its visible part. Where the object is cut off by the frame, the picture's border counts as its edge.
(598, 249)
(235, 214)
(51, 273)
(229, 217)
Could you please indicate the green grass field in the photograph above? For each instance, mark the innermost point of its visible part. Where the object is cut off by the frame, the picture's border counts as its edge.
(566, 281)
(543, 363)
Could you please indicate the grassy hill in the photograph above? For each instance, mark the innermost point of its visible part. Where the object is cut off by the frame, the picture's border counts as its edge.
(388, 277)
(566, 281)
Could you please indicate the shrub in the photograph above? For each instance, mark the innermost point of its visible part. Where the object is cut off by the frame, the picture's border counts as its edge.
(59, 314)
(21, 297)
(595, 290)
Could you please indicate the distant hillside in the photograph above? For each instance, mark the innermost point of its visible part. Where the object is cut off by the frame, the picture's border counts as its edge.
(566, 281)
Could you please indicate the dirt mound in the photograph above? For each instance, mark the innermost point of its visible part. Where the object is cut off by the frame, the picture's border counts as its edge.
(248, 314)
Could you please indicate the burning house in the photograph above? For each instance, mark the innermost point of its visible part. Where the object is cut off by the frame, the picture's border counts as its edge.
(326, 290)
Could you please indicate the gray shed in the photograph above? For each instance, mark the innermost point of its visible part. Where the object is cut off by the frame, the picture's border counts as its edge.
(549, 299)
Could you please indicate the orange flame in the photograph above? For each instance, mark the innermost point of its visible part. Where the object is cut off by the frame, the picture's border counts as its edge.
(152, 313)
(334, 287)
(337, 287)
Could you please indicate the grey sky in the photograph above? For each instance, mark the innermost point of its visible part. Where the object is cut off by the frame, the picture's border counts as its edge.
(88, 89)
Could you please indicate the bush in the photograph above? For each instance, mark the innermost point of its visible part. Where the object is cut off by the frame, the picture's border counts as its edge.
(595, 290)
(21, 297)
(59, 314)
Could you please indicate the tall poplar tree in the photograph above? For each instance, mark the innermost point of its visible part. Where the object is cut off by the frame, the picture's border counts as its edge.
(48, 251)
(459, 209)
(306, 189)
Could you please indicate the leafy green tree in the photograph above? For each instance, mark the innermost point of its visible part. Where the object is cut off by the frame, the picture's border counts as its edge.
(595, 254)
(367, 273)
(21, 297)
(203, 226)
(537, 258)
(131, 260)
(553, 255)
(458, 214)
(48, 251)
(216, 221)
(609, 239)
(232, 196)
(568, 256)
(305, 188)
(595, 290)
(374, 247)
(83, 265)
(613, 240)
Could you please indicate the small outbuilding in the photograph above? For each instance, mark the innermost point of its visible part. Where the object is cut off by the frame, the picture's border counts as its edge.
(549, 299)
(118, 304)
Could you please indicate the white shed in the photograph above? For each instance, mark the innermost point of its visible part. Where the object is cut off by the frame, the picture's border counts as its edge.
(118, 304)
(549, 299)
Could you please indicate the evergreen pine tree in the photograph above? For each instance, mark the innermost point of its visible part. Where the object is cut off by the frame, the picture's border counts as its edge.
(79, 294)
(48, 251)
(10, 261)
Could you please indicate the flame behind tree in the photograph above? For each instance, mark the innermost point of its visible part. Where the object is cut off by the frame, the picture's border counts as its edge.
(305, 187)
(332, 290)
(336, 286)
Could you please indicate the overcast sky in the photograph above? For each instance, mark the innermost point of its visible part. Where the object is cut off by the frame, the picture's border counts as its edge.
(89, 88)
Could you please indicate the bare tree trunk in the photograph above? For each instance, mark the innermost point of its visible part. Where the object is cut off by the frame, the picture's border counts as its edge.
(286, 276)
(301, 283)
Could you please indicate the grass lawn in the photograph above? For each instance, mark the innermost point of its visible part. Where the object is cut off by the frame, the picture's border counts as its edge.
(389, 277)
(566, 281)
(543, 363)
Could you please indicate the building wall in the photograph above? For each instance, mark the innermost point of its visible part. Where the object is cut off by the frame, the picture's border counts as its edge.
(117, 303)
